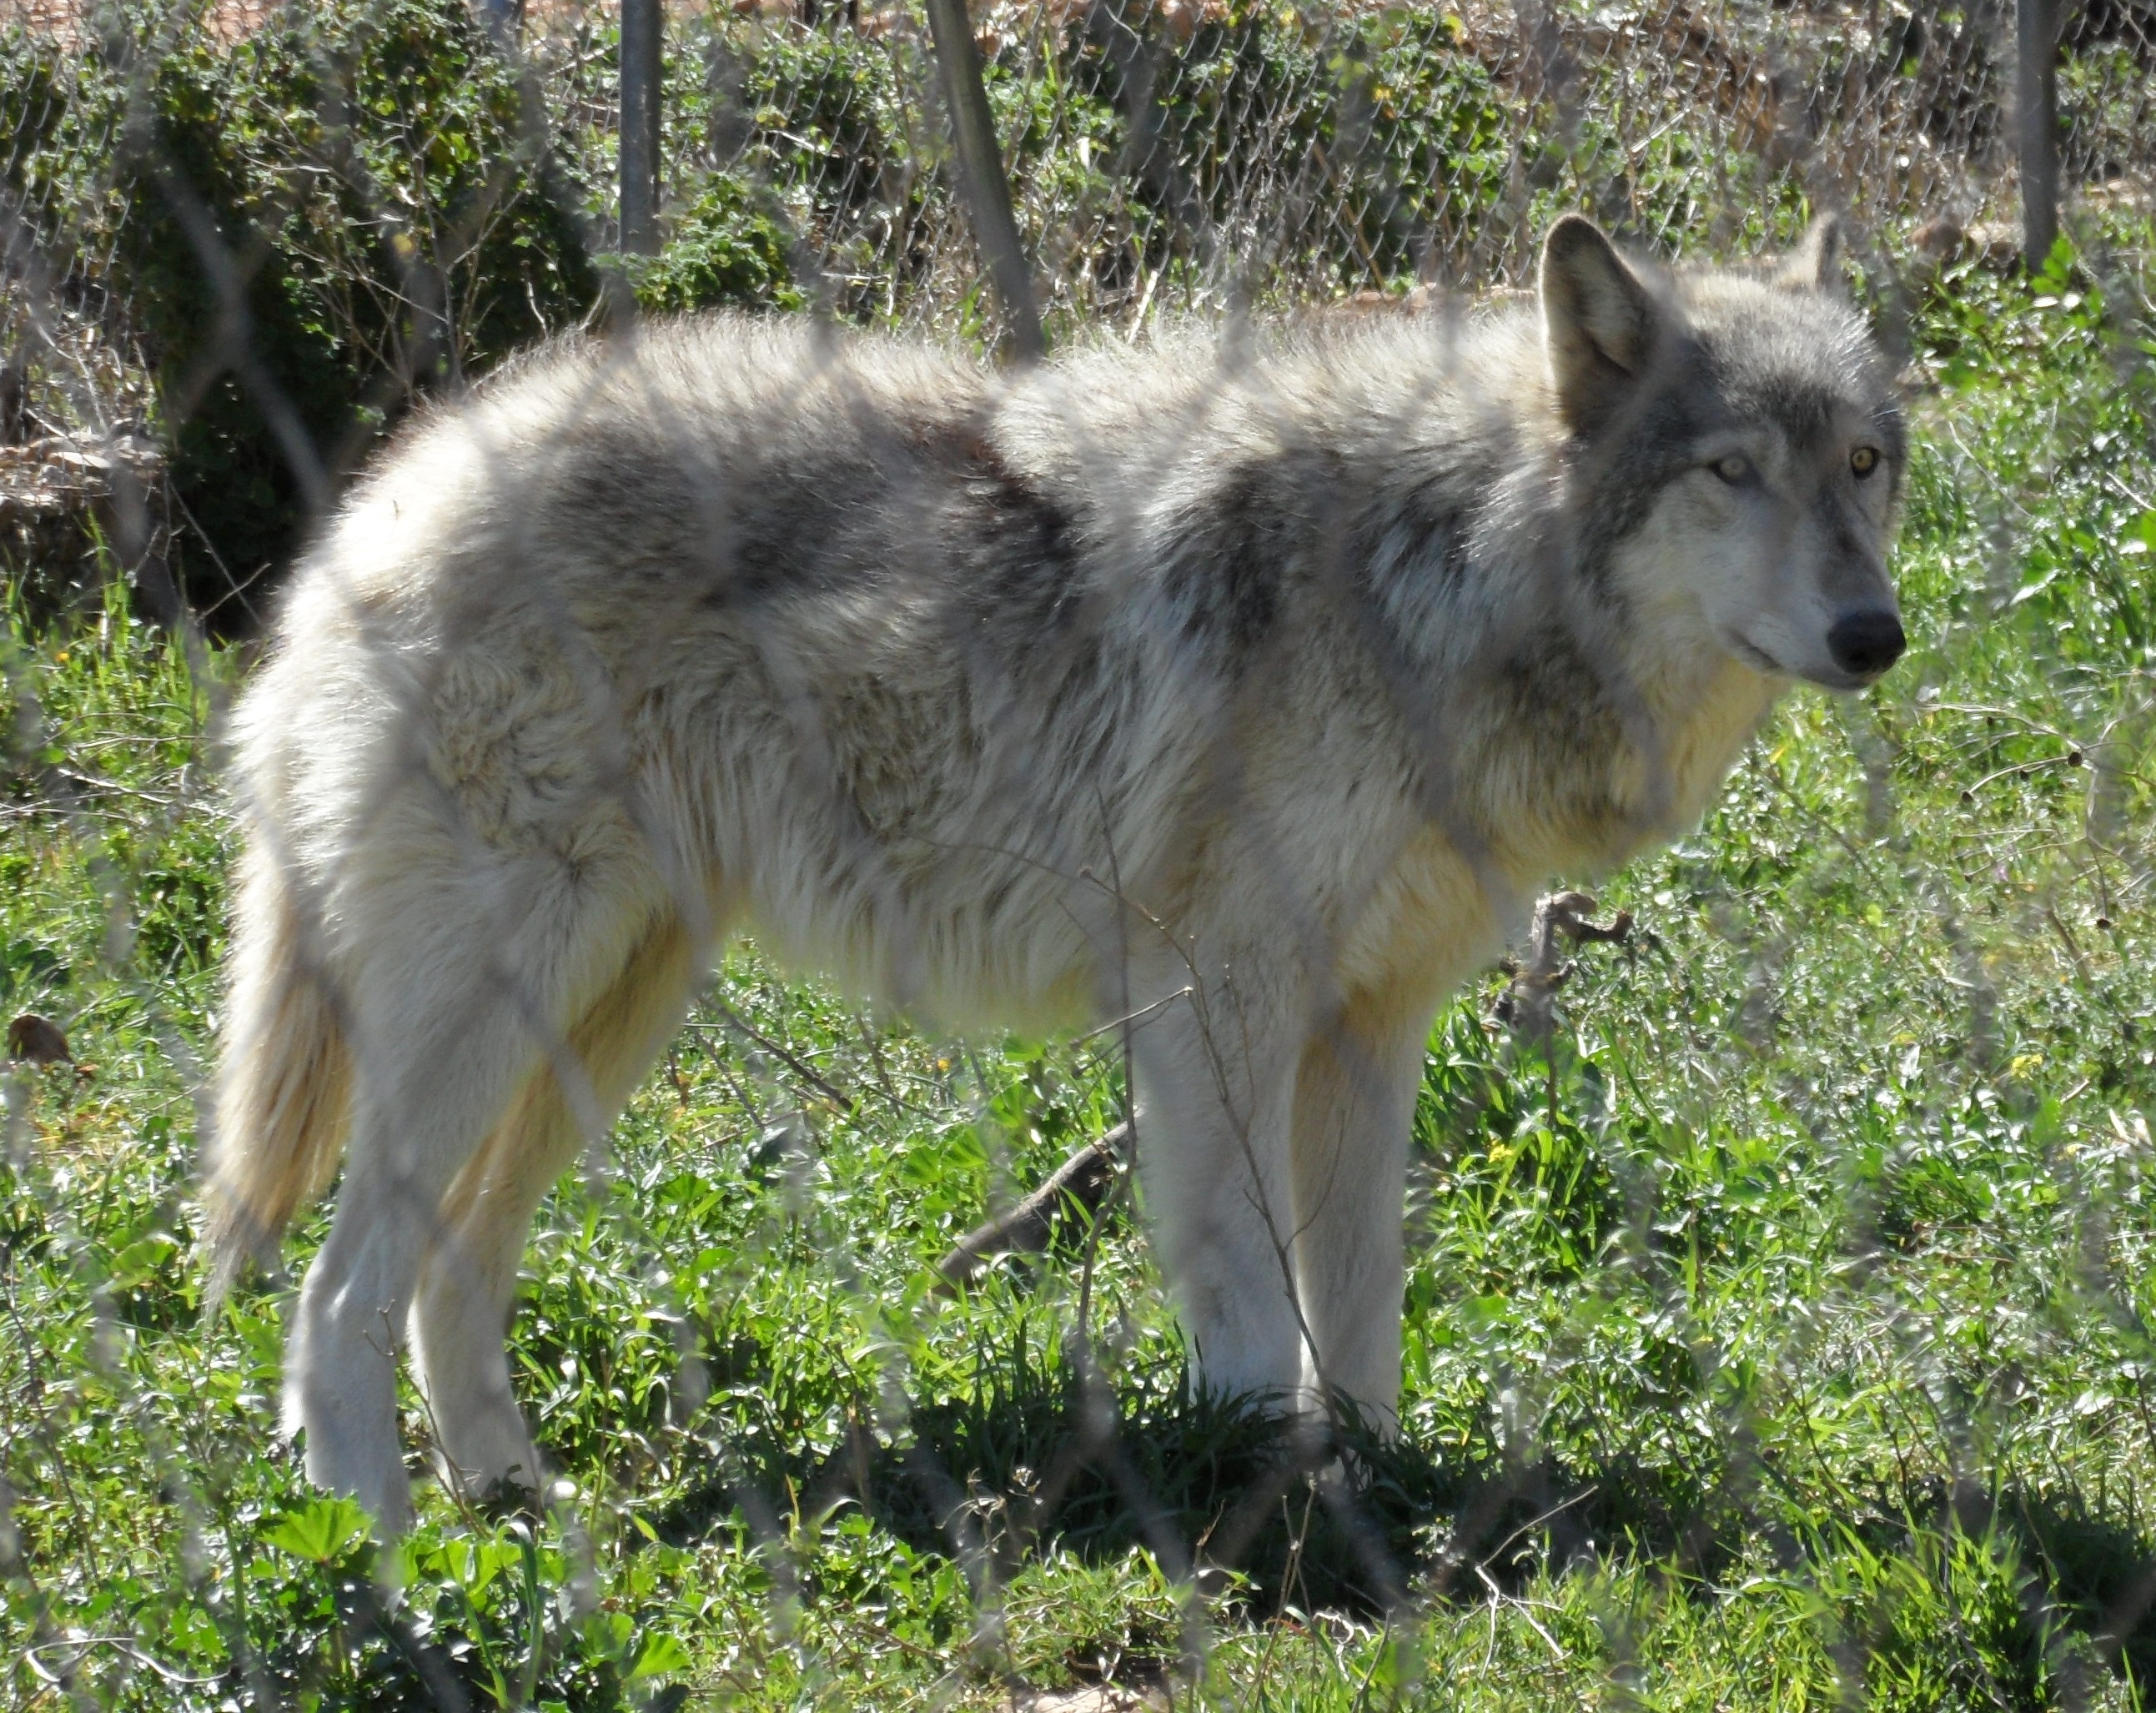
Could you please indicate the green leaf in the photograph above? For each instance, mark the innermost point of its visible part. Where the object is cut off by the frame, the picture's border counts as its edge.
(139, 1262)
(323, 1530)
(661, 1656)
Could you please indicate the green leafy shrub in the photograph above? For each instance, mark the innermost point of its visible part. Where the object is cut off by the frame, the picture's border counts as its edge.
(361, 175)
(724, 250)
(305, 232)
(1393, 129)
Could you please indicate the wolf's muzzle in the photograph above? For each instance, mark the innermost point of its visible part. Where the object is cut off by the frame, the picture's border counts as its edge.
(1866, 643)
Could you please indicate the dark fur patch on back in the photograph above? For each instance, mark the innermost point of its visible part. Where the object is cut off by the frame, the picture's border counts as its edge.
(790, 553)
(1024, 543)
(1227, 571)
(687, 518)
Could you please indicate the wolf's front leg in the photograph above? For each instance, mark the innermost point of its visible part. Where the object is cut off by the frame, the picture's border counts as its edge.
(1354, 1110)
(1214, 1079)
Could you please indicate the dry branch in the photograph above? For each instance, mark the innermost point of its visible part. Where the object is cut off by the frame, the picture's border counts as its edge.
(1079, 1184)
(1530, 1003)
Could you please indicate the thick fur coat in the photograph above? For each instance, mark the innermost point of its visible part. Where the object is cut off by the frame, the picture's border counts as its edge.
(1241, 687)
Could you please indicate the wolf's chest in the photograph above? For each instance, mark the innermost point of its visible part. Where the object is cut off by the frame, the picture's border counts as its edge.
(1434, 917)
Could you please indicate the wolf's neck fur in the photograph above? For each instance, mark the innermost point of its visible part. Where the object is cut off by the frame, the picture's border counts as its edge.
(1591, 730)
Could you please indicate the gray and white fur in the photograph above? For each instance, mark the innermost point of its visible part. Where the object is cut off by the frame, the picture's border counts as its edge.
(1243, 686)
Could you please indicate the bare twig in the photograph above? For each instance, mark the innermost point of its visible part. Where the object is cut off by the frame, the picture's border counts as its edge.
(1529, 1005)
(1079, 1184)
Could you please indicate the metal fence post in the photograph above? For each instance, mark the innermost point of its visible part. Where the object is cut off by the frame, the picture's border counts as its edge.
(642, 24)
(2037, 121)
(503, 19)
(981, 175)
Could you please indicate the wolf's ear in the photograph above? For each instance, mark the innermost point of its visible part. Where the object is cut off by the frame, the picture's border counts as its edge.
(1815, 265)
(1598, 321)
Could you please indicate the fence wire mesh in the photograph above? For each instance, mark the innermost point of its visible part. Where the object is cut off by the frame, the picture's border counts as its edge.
(1779, 1248)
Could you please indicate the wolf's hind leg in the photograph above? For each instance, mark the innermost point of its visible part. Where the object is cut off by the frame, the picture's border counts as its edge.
(461, 1315)
(1354, 1110)
(459, 976)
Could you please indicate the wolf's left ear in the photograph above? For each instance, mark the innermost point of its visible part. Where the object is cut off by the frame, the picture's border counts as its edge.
(1815, 265)
(1599, 321)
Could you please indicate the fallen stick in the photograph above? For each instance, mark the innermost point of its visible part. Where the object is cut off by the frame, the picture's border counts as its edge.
(1080, 1183)
(1529, 1005)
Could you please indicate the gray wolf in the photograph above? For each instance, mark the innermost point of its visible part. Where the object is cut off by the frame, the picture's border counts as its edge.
(1242, 687)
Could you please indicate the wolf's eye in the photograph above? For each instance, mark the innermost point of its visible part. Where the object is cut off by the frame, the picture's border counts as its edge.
(1863, 461)
(1736, 470)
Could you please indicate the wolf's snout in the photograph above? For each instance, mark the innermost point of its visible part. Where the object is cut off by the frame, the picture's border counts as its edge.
(1866, 643)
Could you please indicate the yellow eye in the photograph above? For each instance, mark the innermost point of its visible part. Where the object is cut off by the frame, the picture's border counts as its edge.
(1734, 468)
(1863, 461)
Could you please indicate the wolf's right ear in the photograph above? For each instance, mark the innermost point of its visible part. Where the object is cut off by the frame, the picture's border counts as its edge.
(1816, 263)
(1598, 321)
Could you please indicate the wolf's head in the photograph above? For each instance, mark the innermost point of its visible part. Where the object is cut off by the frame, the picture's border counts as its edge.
(1734, 452)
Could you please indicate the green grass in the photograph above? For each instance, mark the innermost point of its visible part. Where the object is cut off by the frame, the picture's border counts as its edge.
(1800, 1358)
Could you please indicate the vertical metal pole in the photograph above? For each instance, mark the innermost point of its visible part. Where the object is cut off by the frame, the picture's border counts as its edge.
(642, 23)
(503, 19)
(981, 175)
(2036, 118)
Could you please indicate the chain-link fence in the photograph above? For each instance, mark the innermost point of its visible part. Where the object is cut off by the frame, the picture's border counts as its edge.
(1159, 162)
(1162, 158)
(1210, 701)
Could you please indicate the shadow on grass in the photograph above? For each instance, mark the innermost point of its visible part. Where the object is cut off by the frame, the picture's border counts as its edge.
(1228, 1489)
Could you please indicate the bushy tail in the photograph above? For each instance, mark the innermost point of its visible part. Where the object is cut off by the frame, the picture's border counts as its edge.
(284, 1077)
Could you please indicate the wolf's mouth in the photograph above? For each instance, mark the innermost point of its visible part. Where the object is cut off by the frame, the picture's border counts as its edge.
(1756, 658)
(1834, 678)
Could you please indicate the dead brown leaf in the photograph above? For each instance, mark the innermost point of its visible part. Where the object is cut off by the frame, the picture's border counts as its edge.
(38, 1040)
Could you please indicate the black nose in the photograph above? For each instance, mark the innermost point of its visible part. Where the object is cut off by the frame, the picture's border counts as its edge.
(1867, 643)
